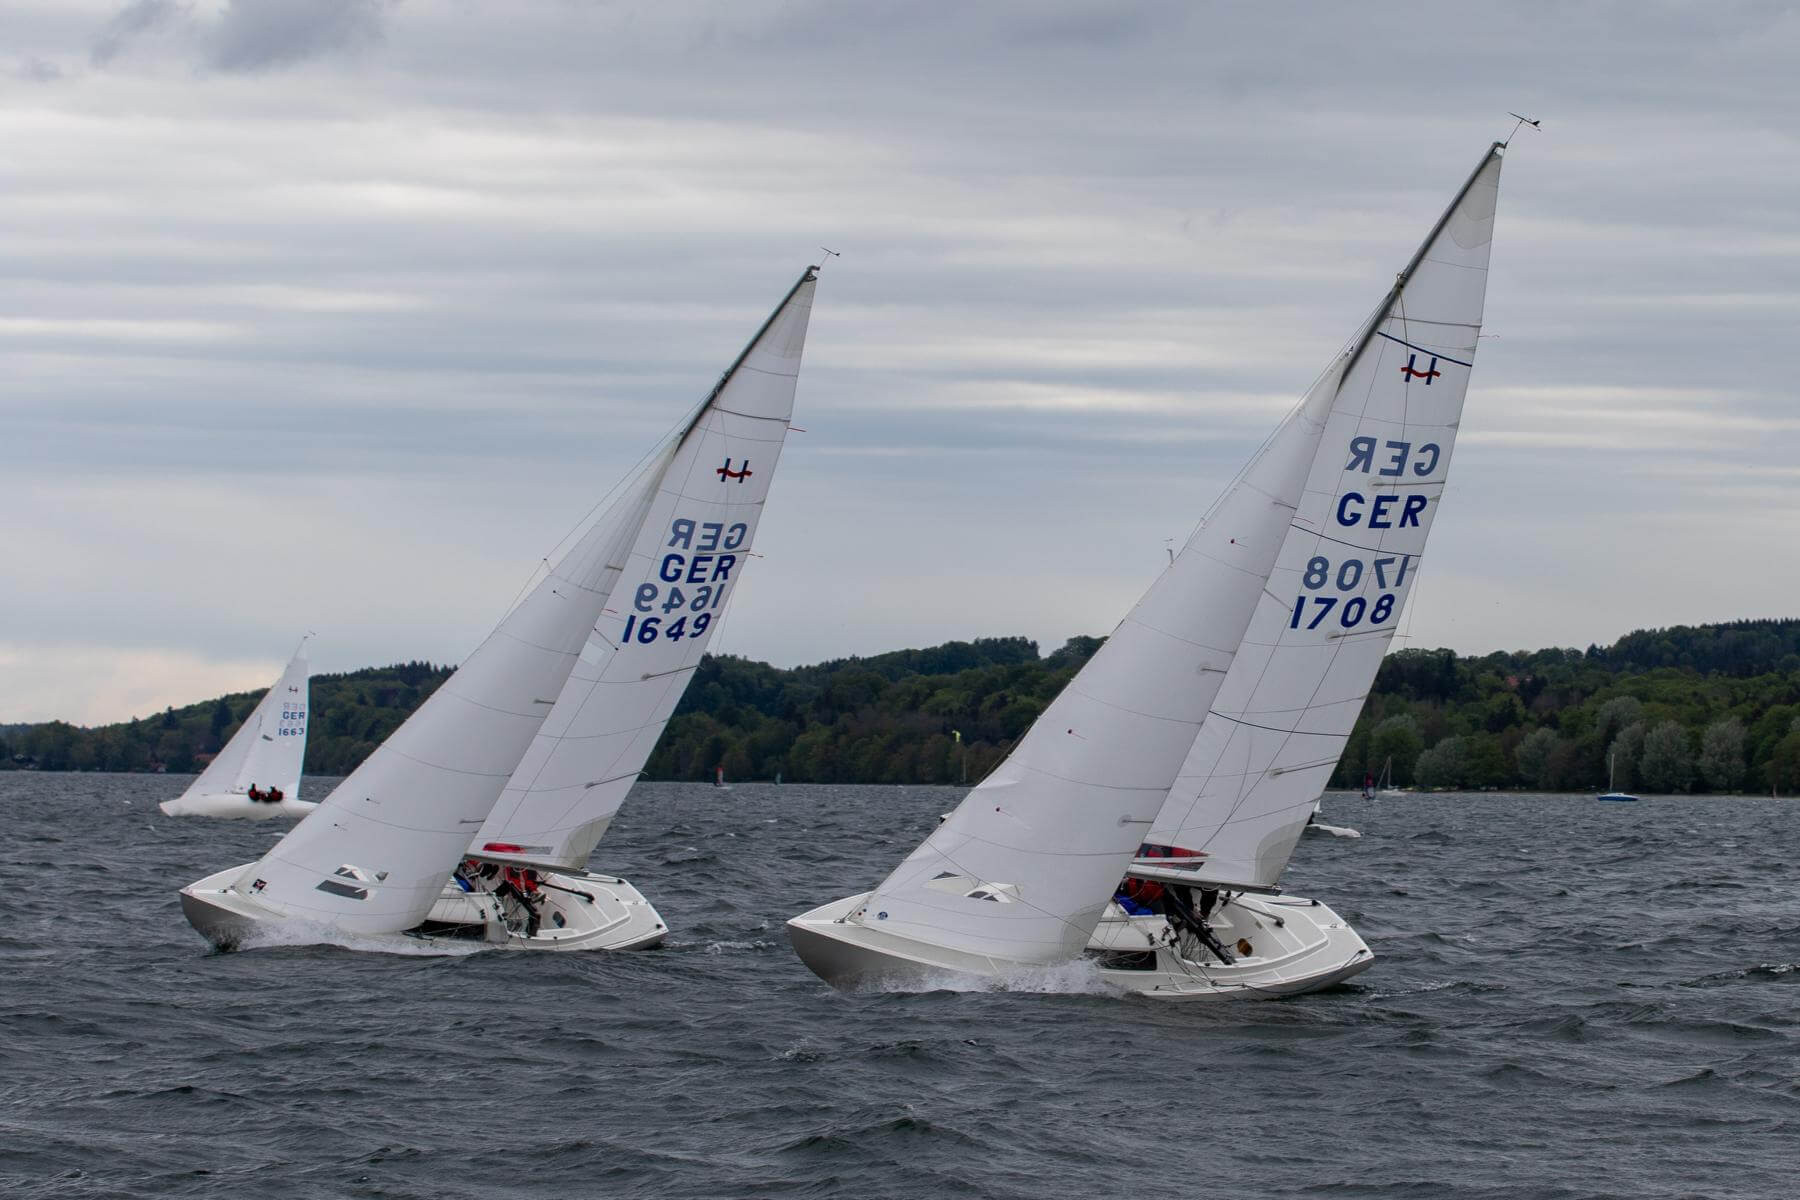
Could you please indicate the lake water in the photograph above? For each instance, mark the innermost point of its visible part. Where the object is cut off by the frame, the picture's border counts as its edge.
(1571, 999)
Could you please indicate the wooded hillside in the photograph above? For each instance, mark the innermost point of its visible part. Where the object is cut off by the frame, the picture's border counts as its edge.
(1712, 707)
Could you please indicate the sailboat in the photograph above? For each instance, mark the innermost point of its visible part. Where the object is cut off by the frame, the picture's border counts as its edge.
(1188, 754)
(1612, 793)
(1384, 786)
(257, 773)
(1314, 825)
(476, 817)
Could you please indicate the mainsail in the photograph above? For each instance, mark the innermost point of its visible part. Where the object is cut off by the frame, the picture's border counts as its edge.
(267, 750)
(373, 858)
(1023, 869)
(1285, 712)
(689, 557)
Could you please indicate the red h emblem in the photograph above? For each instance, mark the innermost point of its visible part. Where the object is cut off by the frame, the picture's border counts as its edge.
(1428, 374)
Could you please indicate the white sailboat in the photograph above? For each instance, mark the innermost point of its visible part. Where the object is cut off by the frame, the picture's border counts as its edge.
(1019, 874)
(1281, 721)
(526, 868)
(1612, 793)
(530, 746)
(1384, 786)
(1315, 825)
(257, 773)
(1191, 727)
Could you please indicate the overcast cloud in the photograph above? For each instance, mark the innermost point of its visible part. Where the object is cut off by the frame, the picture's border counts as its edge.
(336, 315)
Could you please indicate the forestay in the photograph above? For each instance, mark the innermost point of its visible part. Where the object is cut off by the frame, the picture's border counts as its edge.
(1023, 869)
(1348, 563)
(268, 748)
(687, 561)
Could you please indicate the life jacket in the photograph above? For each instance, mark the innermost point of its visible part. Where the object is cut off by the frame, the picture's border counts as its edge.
(1144, 891)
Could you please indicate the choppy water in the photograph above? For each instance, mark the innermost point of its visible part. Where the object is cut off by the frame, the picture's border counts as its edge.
(1572, 999)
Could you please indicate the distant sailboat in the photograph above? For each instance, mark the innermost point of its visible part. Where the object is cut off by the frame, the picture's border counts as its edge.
(1384, 786)
(1214, 715)
(1611, 793)
(1314, 825)
(475, 818)
(257, 773)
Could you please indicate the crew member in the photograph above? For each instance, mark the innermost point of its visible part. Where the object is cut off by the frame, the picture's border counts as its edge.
(513, 883)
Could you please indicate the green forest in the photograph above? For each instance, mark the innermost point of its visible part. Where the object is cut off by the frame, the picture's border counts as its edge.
(1712, 708)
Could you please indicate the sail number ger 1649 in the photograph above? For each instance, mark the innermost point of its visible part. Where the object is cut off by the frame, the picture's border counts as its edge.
(689, 587)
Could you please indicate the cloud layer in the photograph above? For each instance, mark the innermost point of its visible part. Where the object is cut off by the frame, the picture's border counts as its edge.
(336, 315)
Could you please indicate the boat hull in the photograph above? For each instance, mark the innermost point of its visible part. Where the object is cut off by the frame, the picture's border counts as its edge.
(616, 918)
(220, 913)
(856, 957)
(234, 804)
(1295, 946)
(1299, 946)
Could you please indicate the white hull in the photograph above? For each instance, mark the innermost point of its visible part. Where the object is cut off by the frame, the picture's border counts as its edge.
(577, 910)
(616, 918)
(1343, 831)
(1295, 946)
(849, 955)
(234, 804)
(223, 915)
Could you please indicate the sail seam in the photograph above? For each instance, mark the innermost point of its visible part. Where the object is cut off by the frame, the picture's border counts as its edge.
(756, 416)
(1136, 712)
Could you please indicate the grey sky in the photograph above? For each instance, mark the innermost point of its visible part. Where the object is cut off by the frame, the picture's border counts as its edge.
(336, 314)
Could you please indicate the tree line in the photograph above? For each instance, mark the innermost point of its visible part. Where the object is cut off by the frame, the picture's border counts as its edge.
(1710, 707)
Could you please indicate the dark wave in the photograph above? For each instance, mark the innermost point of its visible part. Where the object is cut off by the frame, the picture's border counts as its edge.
(1567, 1002)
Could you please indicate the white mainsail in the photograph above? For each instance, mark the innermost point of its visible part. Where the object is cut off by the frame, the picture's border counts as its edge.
(374, 857)
(689, 557)
(267, 751)
(1348, 563)
(1022, 870)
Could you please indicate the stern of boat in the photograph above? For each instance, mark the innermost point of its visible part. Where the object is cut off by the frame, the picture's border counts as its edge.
(585, 911)
(576, 910)
(1280, 946)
